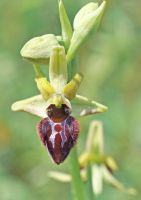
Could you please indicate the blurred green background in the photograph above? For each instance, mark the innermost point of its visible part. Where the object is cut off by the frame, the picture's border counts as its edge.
(111, 62)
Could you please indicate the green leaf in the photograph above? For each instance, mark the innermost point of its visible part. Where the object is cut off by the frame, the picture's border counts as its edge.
(86, 20)
(65, 24)
(38, 49)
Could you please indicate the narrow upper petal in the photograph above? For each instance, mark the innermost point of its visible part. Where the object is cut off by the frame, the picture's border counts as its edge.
(35, 105)
(71, 88)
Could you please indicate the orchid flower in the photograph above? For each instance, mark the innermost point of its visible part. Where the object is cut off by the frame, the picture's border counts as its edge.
(58, 104)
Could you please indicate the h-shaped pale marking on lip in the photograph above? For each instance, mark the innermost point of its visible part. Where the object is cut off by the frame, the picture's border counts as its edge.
(54, 132)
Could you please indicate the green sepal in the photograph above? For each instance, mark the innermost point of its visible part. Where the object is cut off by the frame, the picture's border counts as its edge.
(58, 68)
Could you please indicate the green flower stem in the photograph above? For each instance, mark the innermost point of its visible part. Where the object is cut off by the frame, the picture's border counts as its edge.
(73, 67)
(90, 194)
(38, 71)
(77, 184)
(70, 71)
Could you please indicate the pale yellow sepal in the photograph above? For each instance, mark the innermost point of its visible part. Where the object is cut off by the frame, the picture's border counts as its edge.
(34, 105)
(58, 68)
(71, 88)
(44, 87)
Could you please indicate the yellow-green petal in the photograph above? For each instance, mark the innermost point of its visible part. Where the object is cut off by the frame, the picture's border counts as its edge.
(44, 87)
(71, 88)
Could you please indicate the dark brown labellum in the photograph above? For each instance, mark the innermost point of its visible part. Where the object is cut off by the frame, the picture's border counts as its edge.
(58, 132)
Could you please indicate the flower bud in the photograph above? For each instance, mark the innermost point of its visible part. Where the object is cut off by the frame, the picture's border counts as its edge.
(86, 20)
(38, 49)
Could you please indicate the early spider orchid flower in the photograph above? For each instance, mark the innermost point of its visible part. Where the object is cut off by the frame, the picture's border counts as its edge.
(100, 165)
(58, 105)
